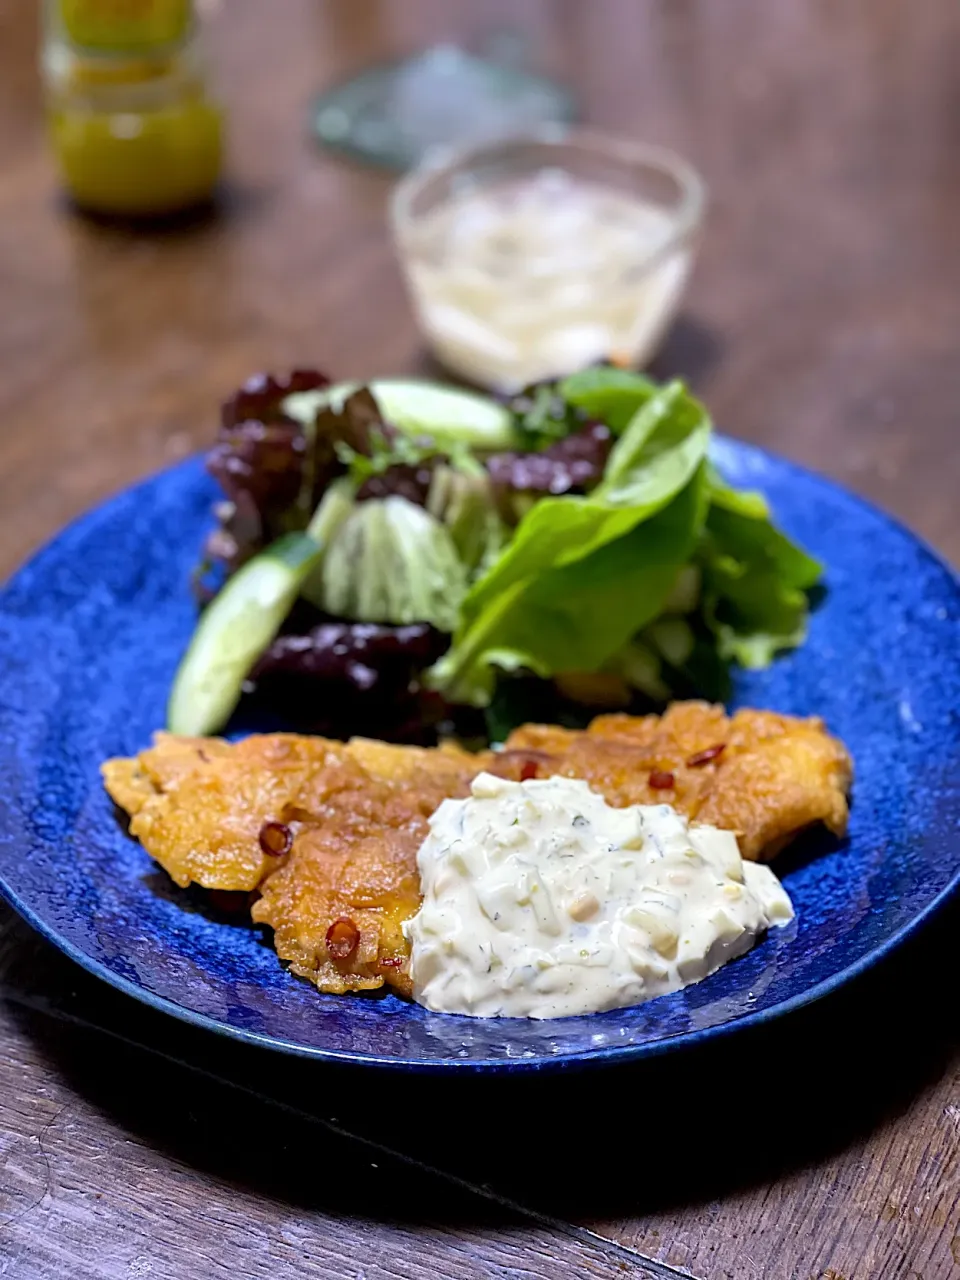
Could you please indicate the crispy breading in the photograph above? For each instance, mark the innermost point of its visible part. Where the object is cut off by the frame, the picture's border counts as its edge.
(197, 804)
(354, 858)
(775, 775)
(358, 812)
(435, 766)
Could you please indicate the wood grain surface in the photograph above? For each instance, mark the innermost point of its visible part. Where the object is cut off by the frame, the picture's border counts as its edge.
(117, 1164)
(822, 321)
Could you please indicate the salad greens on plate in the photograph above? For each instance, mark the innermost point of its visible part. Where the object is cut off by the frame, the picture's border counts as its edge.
(400, 549)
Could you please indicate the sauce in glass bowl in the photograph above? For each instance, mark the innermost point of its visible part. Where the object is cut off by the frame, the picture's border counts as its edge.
(527, 260)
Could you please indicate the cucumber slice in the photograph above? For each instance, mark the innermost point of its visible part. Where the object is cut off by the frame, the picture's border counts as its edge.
(448, 415)
(234, 630)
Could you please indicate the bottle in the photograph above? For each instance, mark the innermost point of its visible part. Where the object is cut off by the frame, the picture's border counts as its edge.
(133, 126)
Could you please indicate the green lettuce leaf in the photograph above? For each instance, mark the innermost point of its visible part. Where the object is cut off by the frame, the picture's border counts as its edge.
(583, 574)
(658, 453)
(391, 561)
(610, 395)
(755, 579)
(741, 520)
(462, 500)
(574, 616)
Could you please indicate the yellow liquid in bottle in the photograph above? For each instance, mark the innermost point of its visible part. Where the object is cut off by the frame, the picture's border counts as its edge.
(139, 162)
(124, 25)
(135, 134)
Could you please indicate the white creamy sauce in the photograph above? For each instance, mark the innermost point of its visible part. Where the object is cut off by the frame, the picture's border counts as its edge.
(540, 900)
(534, 277)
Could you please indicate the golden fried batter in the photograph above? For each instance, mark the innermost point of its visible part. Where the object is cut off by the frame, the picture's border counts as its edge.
(357, 812)
(197, 804)
(763, 775)
(354, 860)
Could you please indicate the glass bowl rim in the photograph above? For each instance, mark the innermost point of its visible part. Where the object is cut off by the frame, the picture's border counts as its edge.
(686, 217)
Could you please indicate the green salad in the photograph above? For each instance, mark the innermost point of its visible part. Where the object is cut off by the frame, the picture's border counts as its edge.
(405, 540)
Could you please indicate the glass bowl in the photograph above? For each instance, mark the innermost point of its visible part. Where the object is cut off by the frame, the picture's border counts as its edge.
(532, 257)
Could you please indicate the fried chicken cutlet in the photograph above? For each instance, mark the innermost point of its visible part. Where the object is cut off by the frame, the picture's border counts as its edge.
(341, 878)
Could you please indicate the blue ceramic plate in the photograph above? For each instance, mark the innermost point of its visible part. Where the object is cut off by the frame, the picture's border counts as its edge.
(91, 632)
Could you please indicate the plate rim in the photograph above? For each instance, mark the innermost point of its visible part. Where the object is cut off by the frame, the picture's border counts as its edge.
(581, 1060)
(574, 1061)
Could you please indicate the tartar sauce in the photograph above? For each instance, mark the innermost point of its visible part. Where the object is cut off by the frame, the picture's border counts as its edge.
(540, 900)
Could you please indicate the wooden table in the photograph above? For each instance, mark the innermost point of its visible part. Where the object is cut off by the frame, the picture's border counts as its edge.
(822, 321)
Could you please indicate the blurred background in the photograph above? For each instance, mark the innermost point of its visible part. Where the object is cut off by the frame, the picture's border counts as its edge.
(821, 314)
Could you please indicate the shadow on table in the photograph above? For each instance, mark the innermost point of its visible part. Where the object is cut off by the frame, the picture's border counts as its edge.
(690, 350)
(230, 201)
(622, 1140)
